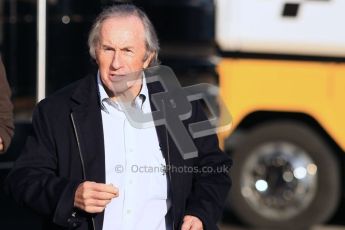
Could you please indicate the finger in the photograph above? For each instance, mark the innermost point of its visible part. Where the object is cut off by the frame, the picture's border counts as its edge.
(96, 203)
(196, 225)
(186, 225)
(105, 188)
(94, 209)
(103, 195)
(89, 193)
(187, 218)
(86, 193)
(90, 204)
(100, 187)
(196, 222)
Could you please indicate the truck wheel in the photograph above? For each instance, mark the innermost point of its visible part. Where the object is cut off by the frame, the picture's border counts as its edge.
(284, 177)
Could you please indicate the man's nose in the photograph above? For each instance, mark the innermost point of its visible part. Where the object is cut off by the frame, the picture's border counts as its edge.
(117, 60)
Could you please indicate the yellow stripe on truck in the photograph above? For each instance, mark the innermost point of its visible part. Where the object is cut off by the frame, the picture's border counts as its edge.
(314, 88)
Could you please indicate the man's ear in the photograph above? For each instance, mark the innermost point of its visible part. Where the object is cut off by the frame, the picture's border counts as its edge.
(96, 55)
(148, 60)
(96, 59)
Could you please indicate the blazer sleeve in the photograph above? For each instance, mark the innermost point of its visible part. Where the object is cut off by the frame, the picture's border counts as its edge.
(212, 182)
(33, 181)
(6, 108)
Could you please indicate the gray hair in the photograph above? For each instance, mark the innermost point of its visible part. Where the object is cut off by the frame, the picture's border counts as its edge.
(122, 10)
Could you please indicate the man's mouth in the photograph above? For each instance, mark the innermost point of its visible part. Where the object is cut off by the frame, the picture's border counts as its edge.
(116, 77)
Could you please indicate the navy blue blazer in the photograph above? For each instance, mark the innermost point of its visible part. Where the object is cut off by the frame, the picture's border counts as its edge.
(67, 148)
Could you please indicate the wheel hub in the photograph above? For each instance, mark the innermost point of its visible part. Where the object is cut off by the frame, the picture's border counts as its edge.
(279, 180)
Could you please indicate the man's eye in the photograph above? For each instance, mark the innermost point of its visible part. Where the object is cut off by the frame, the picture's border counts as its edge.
(128, 51)
(107, 49)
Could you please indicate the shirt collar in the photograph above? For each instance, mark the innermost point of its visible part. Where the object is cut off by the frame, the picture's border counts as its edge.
(105, 99)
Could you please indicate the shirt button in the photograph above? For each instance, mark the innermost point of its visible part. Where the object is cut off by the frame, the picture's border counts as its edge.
(129, 211)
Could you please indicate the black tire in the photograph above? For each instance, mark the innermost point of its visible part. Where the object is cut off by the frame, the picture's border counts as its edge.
(327, 190)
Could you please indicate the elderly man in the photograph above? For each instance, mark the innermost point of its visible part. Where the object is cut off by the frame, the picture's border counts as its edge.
(79, 169)
(6, 118)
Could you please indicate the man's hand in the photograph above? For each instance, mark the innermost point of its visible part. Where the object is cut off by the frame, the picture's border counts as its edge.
(93, 197)
(191, 223)
(1, 145)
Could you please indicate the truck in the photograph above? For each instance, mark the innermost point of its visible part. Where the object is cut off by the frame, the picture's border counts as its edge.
(282, 76)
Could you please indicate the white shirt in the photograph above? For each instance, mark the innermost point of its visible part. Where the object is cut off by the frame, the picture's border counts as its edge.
(134, 164)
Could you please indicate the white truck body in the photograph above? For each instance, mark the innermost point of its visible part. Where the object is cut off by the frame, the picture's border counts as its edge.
(259, 26)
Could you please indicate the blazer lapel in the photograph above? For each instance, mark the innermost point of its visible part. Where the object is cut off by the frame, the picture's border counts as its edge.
(90, 134)
(160, 129)
(89, 130)
(88, 121)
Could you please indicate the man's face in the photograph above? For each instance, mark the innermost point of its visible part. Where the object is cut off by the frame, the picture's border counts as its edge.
(121, 50)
